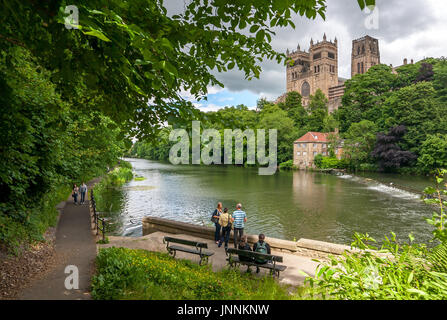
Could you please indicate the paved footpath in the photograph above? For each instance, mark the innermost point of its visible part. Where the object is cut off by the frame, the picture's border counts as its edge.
(75, 245)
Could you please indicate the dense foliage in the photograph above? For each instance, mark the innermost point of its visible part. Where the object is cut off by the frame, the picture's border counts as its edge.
(47, 145)
(382, 100)
(139, 274)
(135, 59)
(289, 118)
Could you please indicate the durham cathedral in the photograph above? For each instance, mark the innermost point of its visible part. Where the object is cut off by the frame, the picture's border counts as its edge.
(318, 68)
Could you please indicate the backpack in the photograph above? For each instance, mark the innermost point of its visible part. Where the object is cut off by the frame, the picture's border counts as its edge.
(261, 248)
(224, 220)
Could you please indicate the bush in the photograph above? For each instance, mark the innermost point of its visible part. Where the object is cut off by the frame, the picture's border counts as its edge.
(287, 165)
(15, 235)
(139, 274)
(329, 162)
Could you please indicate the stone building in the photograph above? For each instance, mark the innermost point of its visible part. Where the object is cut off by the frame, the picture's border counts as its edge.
(365, 54)
(318, 68)
(308, 146)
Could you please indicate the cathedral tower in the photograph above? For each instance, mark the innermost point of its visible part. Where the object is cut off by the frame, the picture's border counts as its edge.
(316, 69)
(365, 54)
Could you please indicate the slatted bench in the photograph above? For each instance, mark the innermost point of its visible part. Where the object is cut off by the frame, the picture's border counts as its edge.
(234, 261)
(198, 248)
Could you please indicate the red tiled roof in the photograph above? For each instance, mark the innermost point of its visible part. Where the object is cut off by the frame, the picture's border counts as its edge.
(313, 137)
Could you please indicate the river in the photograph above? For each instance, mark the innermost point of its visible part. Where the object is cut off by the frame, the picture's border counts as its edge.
(287, 205)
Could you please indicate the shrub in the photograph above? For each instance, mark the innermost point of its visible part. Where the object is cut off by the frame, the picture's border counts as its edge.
(287, 165)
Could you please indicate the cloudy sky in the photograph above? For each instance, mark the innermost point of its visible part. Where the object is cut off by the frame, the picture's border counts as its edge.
(406, 29)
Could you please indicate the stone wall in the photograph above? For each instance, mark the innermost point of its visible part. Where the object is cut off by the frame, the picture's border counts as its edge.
(302, 247)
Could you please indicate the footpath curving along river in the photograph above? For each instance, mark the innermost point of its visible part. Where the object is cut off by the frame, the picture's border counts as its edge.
(287, 205)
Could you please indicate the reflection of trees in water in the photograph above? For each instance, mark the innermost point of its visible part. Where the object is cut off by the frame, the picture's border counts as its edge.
(114, 197)
(315, 195)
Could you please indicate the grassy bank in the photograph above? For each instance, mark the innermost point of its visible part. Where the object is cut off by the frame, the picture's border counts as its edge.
(139, 274)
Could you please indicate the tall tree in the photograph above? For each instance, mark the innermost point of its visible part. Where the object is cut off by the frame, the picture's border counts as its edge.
(387, 151)
(317, 111)
(359, 142)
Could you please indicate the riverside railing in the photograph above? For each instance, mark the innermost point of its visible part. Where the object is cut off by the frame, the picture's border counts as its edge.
(99, 223)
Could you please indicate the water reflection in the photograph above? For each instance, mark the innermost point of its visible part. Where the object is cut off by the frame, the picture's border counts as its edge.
(287, 205)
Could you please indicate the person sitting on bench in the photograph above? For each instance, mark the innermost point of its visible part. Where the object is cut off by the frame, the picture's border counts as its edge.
(243, 245)
(262, 247)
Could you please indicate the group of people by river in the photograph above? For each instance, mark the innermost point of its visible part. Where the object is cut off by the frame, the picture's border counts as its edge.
(81, 190)
(225, 222)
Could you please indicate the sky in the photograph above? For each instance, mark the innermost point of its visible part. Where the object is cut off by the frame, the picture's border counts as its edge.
(413, 29)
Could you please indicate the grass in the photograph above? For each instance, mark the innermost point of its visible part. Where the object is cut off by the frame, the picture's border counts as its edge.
(142, 275)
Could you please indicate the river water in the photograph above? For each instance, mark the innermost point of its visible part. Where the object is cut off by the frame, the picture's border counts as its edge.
(287, 205)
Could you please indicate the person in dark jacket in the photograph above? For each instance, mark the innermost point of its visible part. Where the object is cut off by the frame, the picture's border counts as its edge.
(243, 245)
(215, 220)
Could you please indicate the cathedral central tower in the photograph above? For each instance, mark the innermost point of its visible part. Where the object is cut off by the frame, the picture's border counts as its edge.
(316, 69)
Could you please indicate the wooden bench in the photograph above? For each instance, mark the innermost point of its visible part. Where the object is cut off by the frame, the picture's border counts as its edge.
(198, 246)
(234, 261)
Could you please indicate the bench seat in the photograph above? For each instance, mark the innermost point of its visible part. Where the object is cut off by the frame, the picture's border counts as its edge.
(190, 250)
(195, 248)
(267, 265)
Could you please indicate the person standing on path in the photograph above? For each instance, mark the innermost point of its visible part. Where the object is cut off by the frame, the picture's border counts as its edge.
(75, 193)
(239, 218)
(215, 220)
(225, 223)
(83, 190)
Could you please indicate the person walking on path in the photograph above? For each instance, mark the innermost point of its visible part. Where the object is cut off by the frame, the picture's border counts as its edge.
(75, 193)
(83, 190)
(262, 247)
(225, 223)
(215, 220)
(239, 218)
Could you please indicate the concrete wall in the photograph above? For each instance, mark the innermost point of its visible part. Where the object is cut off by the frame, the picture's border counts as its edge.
(306, 247)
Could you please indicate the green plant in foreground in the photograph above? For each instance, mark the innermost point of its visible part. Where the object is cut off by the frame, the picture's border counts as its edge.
(394, 271)
(139, 274)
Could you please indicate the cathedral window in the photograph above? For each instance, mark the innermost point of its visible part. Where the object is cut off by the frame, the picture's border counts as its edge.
(331, 55)
(305, 89)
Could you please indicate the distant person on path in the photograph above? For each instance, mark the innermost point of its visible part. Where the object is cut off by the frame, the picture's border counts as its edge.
(75, 193)
(83, 190)
(215, 220)
(239, 219)
(261, 247)
(225, 223)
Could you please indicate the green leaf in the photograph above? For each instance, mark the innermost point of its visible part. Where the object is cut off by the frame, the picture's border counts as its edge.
(254, 28)
(260, 36)
(97, 34)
